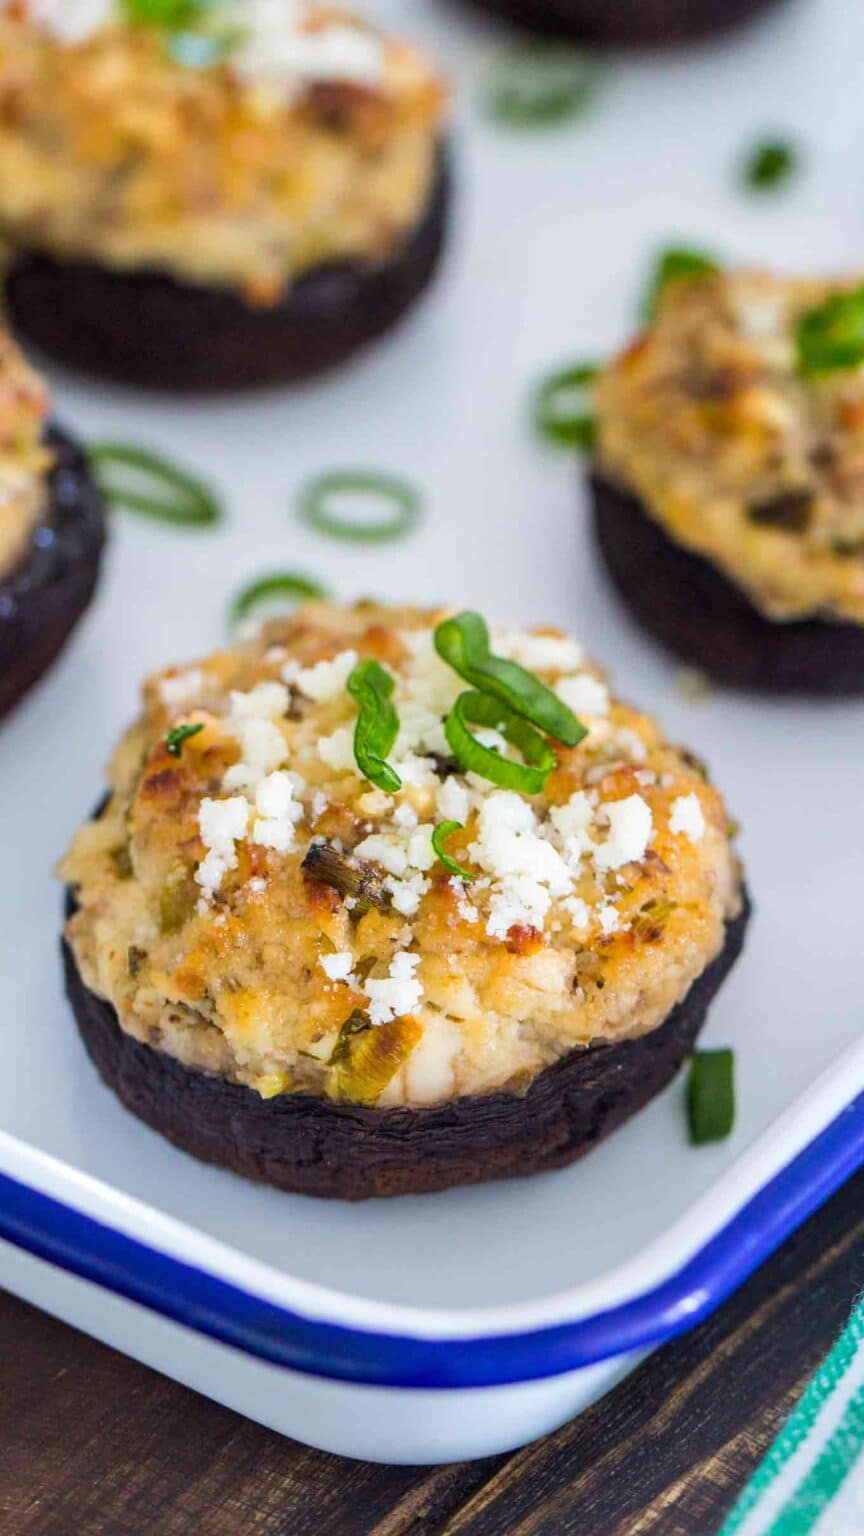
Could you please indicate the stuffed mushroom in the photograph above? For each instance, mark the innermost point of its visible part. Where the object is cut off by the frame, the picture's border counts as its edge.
(370, 909)
(51, 529)
(213, 193)
(626, 22)
(728, 479)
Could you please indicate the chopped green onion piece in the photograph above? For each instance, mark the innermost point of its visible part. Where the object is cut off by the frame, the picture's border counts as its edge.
(180, 733)
(831, 336)
(528, 777)
(539, 86)
(377, 724)
(170, 14)
(769, 164)
(284, 588)
(442, 831)
(711, 1096)
(143, 482)
(400, 501)
(674, 265)
(559, 406)
(463, 642)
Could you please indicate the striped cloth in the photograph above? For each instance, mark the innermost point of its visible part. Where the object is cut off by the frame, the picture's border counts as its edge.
(811, 1483)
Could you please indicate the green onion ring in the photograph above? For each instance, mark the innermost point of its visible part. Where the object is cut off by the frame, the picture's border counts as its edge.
(405, 506)
(677, 264)
(444, 830)
(173, 495)
(527, 777)
(463, 642)
(180, 733)
(711, 1096)
(831, 336)
(559, 406)
(539, 86)
(377, 724)
(278, 584)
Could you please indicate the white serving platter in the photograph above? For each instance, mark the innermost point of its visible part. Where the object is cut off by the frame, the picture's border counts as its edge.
(453, 1325)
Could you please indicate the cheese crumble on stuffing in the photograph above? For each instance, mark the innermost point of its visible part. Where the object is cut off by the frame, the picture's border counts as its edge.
(320, 918)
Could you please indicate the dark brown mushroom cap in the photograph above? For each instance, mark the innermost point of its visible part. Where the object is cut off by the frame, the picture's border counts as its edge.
(696, 612)
(312, 1146)
(44, 595)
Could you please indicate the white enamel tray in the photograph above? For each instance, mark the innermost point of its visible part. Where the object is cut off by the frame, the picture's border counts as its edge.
(458, 1324)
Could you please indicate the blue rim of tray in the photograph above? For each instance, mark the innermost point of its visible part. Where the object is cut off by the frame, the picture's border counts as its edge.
(51, 1230)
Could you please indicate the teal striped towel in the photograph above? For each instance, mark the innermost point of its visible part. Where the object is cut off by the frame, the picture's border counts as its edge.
(811, 1483)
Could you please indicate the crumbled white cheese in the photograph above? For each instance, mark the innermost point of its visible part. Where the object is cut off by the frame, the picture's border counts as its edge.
(527, 870)
(323, 681)
(337, 750)
(405, 817)
(453, 800)
(262, 748)
(395, 995)
(221, 824)
(687, 816)
(406, 893)
(466, 909)
(584, 694)
(71, 21)
(421, 854)
(338, 967)
(386, 851)
(278, 813)
(577, 911)
(540, 653)
(609, 918)
(630, 826)
(267, 701)
(182, 687)
(275, 48)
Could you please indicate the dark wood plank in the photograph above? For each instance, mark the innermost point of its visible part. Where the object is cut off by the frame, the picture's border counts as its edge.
(666, 1453)
(92, 1444)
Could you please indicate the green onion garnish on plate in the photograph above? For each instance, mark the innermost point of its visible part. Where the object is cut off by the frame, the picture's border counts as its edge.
(180, 733)
(371, 686)
(831, 336)
(463, 642)
(480, 709)
(539, 86)
(673, 265)
(711, 1096)
(769, 164)
(140, 481)
(280, 590)
(562, 406)
(360, 506)
(444, 830)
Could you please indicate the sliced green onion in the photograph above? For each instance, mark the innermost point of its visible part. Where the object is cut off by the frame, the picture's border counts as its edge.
(377, 724)
(831, 336)
(674, 265)
(284, 589)
(539, 86)
(711, 1096)
(463, 642)
(180, 733)
(170, 14)
(143, 482)
(400, 501)
(527, 777)
(444, 830)
(559, 406)
(769, 164)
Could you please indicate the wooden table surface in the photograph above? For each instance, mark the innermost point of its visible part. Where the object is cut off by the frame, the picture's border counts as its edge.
(92, 1444)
